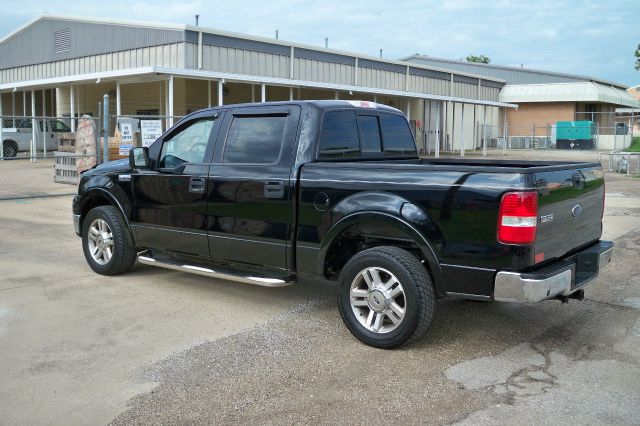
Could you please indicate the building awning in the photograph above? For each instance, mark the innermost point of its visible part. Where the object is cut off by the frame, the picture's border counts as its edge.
(153, 73)
(586, 91)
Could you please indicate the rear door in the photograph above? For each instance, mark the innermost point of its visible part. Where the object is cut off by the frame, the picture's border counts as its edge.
(570, 204)
(251, 210)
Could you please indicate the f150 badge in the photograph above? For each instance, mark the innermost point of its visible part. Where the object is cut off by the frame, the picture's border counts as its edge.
(546, 218)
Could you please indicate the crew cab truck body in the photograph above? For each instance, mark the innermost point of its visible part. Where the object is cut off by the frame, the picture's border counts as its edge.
(267, 193)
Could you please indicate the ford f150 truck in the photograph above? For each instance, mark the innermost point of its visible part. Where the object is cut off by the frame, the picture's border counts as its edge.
(268, 193)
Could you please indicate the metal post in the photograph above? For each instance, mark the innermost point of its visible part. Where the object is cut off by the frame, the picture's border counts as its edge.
(484, 132)
(263, 92)
(209, 93)
(44, 125)
(170, 109)
(97, 133)
(105, 128)
(24, 103)
(290, 93)
(1, 126)
(408, 108)
(220, 94)
(462, 132)
(533, 135)
(72, 101)
(34, 151)
(253, 93)
(425, 134)
(437, 147)
(336, 95)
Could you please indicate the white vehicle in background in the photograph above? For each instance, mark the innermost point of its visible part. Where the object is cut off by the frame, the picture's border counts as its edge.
(17, 135)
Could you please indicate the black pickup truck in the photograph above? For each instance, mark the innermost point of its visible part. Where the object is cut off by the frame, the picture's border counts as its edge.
(269, 193)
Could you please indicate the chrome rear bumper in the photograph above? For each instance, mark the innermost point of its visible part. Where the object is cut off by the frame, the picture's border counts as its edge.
(564, 279)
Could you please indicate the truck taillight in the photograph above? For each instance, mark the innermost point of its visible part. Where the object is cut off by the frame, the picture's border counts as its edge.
(518, 218)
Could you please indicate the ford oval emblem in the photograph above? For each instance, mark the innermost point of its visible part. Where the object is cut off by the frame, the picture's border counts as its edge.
(576, 210)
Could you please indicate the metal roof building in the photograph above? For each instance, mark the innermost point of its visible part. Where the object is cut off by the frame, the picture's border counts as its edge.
(59, 65)
(546, 97)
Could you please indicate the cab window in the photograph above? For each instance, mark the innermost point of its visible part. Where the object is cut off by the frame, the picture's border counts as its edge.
(254, 139)
(397, 139)
(339, 135)
(187, 145)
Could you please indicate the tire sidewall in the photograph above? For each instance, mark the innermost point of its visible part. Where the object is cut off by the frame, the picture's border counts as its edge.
(98, 213)
(410, 320)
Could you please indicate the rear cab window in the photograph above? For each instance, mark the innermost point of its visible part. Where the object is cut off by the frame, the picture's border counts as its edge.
(355, 133)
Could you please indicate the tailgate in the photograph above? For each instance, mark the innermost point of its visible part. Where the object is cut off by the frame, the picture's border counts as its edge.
(570, 207)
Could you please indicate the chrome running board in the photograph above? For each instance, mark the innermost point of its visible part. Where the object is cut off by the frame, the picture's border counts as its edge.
(208, 271)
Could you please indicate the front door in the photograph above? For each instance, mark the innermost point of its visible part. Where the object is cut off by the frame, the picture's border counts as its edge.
(251, 208)
(170, 200)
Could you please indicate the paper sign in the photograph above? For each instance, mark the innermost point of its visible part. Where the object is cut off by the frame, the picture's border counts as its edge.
(125, 148)
(126, 132)
(151, 130)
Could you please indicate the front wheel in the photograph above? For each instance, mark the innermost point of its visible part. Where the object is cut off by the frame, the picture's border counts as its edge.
(106, 242)
(386, 297)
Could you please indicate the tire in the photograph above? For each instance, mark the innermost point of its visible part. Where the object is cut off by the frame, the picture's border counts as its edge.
(368, 289)
(104, 231)
(9, 149)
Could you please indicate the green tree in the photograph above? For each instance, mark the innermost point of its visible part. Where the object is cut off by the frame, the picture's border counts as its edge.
(482, 59)
(637, 53)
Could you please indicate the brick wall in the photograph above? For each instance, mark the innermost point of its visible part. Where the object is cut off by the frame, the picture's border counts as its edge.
(522, 120)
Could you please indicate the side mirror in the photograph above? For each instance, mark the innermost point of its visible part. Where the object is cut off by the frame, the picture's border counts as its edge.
(139, 158)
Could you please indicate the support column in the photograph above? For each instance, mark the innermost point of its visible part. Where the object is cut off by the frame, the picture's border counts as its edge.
(505, 133)
(437, 146)
(263, 92)
(170, 106)
(220, 93)
(462, 131)
(484, 132)
(1, 126)
(34, 151)
(253, 93)
(24, 103)
(409, 108)
(290, 93)
(336, 95)
(118, 100)
(209, 93)
(13, 109)
(72, 102)
(45, 124)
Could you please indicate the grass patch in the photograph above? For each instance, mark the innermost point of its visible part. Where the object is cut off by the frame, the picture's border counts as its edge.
(635, 145)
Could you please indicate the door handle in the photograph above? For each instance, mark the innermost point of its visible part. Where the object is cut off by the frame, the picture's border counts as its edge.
(274, 189)
(197, 185)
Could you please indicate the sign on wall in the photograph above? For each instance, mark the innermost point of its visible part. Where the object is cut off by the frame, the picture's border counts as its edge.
(126, 131)
(151, 130)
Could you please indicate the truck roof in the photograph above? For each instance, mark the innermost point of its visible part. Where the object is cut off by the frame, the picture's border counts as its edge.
(318, 104)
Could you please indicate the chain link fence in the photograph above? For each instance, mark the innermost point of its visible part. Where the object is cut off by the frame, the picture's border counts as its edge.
(42, 156)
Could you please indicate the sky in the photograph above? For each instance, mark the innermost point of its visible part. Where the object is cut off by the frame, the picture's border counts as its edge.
(595, 38)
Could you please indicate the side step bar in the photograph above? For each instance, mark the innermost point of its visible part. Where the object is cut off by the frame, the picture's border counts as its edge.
(207, 271)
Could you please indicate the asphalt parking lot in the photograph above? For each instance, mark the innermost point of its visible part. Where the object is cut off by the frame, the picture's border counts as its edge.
(162, 347)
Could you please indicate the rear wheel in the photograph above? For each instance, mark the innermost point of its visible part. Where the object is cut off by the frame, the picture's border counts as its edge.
(386, 297)
(9, 149)
(106, 242)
